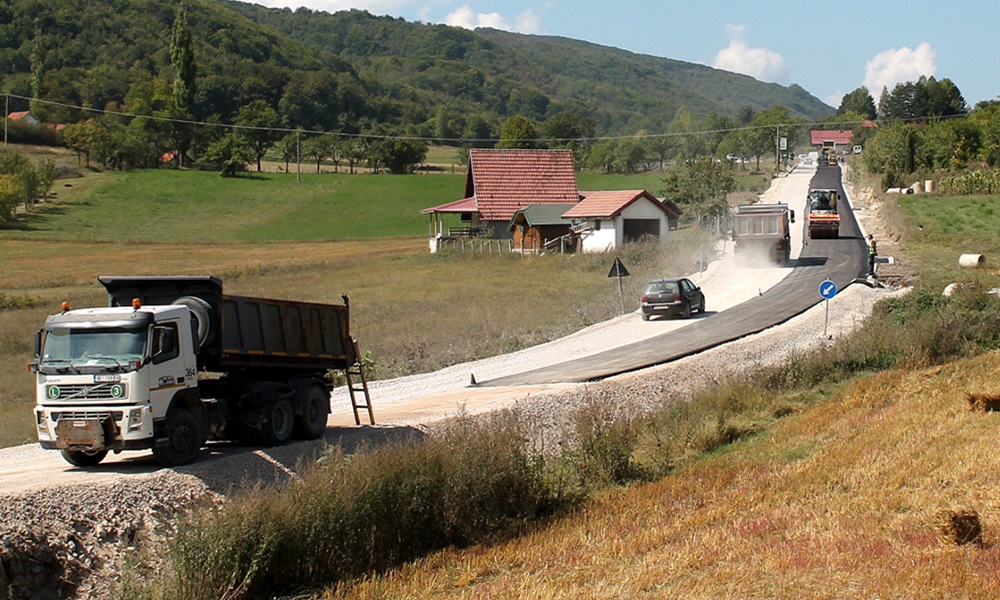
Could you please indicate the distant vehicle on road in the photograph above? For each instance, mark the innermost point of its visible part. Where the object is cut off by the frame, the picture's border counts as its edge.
(823, 220)
(673, 296)
(762, 233)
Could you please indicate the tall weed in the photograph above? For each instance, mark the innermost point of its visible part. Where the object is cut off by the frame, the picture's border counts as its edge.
(351, 515)
(603, 441)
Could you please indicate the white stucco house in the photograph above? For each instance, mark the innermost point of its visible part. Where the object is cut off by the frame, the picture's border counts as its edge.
(606, 220)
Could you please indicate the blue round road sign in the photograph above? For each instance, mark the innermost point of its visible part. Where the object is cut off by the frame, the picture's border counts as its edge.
(828, 289)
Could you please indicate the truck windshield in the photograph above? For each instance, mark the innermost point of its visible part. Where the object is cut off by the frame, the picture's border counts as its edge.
(109, 347)
(821, 201)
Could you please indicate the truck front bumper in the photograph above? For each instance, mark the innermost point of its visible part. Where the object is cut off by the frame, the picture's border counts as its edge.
(95, 428)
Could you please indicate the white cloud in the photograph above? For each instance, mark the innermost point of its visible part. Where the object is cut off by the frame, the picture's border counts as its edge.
(526, 22)
(759, 63)
(835, 99)
(529, 22)
(900, 65)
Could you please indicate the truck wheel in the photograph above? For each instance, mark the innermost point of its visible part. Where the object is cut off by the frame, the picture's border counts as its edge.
(184, 433)
(311, 424)
(279, 421)
(84, 458)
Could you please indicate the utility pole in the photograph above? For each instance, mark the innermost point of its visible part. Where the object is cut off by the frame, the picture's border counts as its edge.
(298, 156)
(777, 148)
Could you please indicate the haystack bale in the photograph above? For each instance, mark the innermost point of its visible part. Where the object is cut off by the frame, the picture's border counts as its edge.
(960, 526)
(983, 402)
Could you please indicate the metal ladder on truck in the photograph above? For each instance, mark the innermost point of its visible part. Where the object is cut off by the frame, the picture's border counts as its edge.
(357, 383)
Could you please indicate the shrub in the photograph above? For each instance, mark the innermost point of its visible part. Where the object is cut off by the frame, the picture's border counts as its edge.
(18, 301)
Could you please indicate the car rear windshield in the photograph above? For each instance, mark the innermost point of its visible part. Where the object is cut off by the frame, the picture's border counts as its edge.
(662, 287)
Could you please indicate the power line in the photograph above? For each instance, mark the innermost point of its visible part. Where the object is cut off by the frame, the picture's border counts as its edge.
(459, 141)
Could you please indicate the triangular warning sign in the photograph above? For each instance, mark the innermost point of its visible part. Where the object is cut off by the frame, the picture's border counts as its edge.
(618, 269)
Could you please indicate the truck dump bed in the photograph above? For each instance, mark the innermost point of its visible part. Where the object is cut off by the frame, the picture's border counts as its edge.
(257, 331)
(244, 332)
(762, 231)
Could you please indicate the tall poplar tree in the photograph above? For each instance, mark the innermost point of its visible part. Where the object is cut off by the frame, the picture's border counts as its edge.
(182, 58)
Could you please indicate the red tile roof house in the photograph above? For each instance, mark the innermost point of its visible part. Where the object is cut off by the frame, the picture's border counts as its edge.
(499, 183)
(840, 137)
(607, 220)
(23, 115)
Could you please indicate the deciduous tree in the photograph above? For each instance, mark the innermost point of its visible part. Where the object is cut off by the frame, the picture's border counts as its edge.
(231, 154)
(258, 123)
(702, 186)
(518, 132)
(860, 102)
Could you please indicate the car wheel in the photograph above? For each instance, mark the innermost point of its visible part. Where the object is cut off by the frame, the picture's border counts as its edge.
(645, 317)
(686, 310)
(84, 458)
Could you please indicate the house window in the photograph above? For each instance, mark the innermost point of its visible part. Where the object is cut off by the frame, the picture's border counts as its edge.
(597, 224)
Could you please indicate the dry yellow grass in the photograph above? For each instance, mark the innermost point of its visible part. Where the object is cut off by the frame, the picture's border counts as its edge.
(55, 271)
(843, 500)
(411, 311)
(37, 265)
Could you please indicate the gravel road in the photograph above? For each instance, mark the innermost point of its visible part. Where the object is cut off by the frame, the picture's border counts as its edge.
(63, 530)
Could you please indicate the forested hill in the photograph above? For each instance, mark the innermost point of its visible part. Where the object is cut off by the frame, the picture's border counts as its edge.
(626, 91)
(352, 71)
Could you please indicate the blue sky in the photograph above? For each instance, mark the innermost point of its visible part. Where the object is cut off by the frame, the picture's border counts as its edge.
(829, 48)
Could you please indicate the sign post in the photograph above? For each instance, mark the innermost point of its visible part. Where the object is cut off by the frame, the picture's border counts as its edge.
(827, 290)
(618, 270)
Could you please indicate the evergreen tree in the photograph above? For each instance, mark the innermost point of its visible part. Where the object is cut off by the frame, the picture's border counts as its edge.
(182, 58)
(944, 99)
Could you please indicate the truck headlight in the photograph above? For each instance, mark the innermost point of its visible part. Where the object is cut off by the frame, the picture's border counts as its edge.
(135, 419)
(41, 425)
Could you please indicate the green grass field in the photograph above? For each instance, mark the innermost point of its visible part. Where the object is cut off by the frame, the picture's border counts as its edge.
(944, 227)
(198, 206)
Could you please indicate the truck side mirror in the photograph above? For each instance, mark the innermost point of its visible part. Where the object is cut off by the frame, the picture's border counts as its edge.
(792, 215)
(38, 344)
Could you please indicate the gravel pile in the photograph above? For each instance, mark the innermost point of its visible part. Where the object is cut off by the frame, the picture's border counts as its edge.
(70, 542)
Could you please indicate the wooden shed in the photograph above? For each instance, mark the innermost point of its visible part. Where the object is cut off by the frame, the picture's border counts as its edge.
(538, 226)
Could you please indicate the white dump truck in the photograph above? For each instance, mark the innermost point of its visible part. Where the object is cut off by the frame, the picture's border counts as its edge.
(173, 362)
